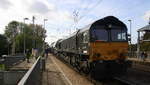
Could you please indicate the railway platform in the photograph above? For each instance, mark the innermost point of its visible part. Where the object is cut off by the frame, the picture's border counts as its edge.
(140, 61)
(58, 73)
(140, 64)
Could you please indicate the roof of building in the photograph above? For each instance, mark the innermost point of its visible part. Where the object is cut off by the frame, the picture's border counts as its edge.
(145, 28)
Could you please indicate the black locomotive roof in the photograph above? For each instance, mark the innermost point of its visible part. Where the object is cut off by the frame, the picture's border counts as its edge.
(109, 20)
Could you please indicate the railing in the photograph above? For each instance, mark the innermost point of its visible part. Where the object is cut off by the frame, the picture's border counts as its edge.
(34, 74)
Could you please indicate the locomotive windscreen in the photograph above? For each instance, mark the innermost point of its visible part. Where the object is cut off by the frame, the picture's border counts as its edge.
(109, 34)
(100, 34)
(118, 34)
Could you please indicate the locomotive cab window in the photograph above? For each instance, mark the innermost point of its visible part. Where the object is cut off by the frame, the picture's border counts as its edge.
(118, 35)
(99, 35)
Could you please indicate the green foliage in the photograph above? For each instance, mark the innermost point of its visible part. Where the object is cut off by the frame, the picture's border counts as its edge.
(16, 32)
(3, 45)
(2, 67)
(11, 30)
(133, 47)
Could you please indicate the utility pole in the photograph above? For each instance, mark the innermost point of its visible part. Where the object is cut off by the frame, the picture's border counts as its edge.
(8, 44)
(34, 41)
(43, 34)
(130, 37)
(149, 21)
(138, 45)
(76, 16)
(24, 40)
(44, 22)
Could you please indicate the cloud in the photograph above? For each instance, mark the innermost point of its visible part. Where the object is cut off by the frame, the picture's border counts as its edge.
(70, 1)
(59, 16)
(39, 7)
(147, 15)
(5, 4)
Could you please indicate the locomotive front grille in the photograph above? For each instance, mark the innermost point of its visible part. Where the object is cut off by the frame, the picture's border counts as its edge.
(108, 50)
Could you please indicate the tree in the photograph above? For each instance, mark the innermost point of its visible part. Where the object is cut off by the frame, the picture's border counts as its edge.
(134, 47)
(11, 31)
(33, 35)
(3, 45)
(39, 34)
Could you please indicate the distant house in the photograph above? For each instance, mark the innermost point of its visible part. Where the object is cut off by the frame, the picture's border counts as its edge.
(144, 39)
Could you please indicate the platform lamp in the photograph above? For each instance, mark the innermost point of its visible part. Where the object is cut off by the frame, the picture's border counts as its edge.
(130, 21)
(44, 32)
(24, 43)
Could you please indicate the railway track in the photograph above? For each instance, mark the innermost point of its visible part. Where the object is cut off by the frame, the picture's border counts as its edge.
(145, 68)
(134, 76)
(109, 82)
(139, 74)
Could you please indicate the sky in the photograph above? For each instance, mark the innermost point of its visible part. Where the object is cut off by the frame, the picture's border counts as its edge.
(61, 14)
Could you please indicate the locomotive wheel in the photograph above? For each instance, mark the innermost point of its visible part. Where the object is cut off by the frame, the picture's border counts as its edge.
(73, 60)
(70, 60)
(77, 64)
(86, 68)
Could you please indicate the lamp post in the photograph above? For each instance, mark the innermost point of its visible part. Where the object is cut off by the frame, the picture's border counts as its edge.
(8, 45)
(24, 43)
(34, 27)
(44, 31)
(130, 21)
(149, 21)
(44, 22)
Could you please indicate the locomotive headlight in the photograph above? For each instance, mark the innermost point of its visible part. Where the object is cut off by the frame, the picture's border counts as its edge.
(85, 51)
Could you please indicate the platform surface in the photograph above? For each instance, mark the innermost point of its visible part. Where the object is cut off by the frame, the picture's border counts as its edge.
(140, 61)
(58, 73)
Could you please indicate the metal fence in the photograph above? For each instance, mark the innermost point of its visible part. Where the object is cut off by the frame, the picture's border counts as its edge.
(134, 54)
(34, 74)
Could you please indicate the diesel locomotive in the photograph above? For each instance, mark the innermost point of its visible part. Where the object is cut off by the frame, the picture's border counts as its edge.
(99, 49)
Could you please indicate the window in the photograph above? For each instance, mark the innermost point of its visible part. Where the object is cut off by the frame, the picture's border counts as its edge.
(118, 35)
(100, 34)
